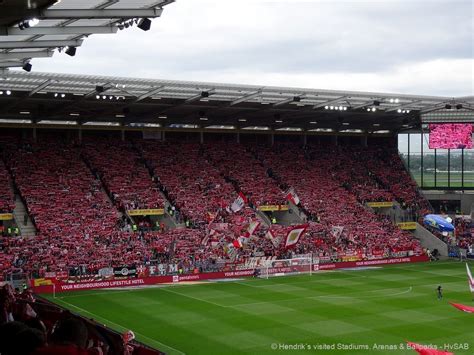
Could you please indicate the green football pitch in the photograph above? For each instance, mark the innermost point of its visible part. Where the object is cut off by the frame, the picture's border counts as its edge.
(371, 311)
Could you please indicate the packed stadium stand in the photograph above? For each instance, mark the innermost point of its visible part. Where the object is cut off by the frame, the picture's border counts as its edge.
(465, 233)
(124, 175)
(188, 178)
(61, 194)
(7, 202)
(238, 165)
(85, 229)
(332, 202)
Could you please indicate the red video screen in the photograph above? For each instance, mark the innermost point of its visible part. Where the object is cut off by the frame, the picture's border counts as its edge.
(451, 136)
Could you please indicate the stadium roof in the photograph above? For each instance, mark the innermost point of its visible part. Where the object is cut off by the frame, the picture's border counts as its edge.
(182, 104)
(38, 28)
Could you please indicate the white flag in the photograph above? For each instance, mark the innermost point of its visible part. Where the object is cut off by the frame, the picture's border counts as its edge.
(273, 238)
(239, 203)
(470, 280)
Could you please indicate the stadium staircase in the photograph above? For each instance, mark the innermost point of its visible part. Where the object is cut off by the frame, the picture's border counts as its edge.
(264, 218)
(388, 211)
(298, 213)
(429, 240)
(426, 238)
(170, 220)
(19, 213)
(291, 217)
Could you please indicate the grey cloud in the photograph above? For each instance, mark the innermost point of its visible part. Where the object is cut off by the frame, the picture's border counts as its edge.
(290, 39)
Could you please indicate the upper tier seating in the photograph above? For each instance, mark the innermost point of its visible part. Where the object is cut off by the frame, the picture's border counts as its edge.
(78, 226)
(61, 194)
(190, 180)
(317, 179)
(7, 202)
(235, 162)
(124, 174)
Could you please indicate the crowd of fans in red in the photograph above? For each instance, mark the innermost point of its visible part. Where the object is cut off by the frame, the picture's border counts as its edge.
(188, 178)
(123, 173)
(465, 233)
(79, 226)
(62, 196)
(238, 164)
(7, 202)
(322, 179)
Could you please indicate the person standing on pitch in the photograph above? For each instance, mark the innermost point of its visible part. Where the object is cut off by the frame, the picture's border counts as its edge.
(439, 291)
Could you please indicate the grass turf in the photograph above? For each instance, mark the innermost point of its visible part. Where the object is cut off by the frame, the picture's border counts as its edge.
(346, 308)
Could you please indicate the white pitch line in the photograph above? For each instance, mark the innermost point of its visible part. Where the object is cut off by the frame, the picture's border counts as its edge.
(312, 280)
(110, 292)
(95, 316)
(325, 296)
(194, 298)
(375, 296)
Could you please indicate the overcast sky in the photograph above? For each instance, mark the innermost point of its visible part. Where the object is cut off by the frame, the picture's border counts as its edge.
(400, 46)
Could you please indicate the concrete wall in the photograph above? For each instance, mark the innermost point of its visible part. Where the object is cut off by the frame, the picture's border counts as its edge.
(466, 198)
(288, 218)
(428, 240)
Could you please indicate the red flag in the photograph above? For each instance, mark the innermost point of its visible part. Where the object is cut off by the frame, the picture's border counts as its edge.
(237, 243)
(467, 309)
(426, 350)
(294, 235)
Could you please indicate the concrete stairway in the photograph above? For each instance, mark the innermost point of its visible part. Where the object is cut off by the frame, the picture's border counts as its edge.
(429, 240)
(169, 220)
(264, 218)
(19, 213)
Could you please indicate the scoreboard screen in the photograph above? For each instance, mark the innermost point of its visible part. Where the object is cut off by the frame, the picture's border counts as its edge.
(450, 136)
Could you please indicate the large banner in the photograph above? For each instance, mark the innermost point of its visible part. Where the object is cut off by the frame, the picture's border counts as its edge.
(46, 285)
(407, 225)
(273, 208)
(375, 262)
(60, 286)
(385, 204)
(6, 216)
(147, 212)
(451, 136)
(125, 271)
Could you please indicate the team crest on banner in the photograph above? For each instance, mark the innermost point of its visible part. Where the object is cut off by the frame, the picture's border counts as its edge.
(294, 235)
